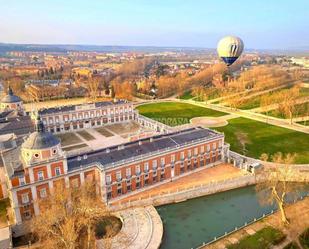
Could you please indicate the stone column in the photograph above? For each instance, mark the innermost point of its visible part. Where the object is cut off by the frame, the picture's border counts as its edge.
(16, 208)
(34, 198)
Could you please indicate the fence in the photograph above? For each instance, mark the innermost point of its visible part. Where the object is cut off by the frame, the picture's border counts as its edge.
(244, 225)
(188, 193)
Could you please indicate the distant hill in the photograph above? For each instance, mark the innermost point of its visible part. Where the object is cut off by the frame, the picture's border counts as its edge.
(64, 48)
(6, 47)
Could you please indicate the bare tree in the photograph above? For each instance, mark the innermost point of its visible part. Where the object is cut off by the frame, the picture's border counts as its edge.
(287, 104)
(93, 84)
(68, 216)
(266, 101)
(278, 181)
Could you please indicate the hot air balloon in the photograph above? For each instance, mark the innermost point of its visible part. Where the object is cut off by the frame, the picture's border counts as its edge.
(230, 48)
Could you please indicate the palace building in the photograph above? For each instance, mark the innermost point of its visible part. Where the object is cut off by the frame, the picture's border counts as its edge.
(39, 164)
(34, 162)
(75, 117)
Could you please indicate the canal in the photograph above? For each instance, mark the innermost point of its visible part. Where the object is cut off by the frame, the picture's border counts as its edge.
(188, 224)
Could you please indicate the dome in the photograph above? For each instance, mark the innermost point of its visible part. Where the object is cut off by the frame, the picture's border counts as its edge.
(40, 139)
(10, 97)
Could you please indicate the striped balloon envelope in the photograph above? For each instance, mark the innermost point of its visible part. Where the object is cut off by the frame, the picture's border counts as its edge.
(230, 48)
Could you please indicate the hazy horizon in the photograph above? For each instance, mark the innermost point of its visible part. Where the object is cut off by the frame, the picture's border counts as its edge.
(171, 23)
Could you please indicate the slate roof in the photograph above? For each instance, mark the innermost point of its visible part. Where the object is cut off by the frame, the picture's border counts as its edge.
(21, 125)
(10, 97)
(68, 108)
(40, 139)
(135, 149)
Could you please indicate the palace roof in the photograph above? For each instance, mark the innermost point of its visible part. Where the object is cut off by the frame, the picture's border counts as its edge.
(10, 97)
(125, 153)
(68, 108)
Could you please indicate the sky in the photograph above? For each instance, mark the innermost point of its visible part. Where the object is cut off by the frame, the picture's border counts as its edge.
(262, 24)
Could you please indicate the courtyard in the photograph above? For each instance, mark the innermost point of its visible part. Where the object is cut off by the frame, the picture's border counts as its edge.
(100, 137)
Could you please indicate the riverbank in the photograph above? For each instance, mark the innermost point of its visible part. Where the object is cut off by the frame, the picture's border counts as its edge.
(298, 213)
(186, 188)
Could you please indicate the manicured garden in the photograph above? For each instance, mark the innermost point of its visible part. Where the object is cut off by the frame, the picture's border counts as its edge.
(173, 113)
(86, 135)
(262, 138)
(68, 138)
(74, 147)
(264, 238)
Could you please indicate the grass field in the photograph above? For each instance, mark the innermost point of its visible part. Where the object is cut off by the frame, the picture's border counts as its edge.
(186, 95)
(173, 113)
(68, 138)
(86, 135)
(255, 102)
(264, 238)
(301, 111)
(261, 138)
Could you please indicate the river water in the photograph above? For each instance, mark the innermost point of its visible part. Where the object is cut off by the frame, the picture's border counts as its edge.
(188, 224)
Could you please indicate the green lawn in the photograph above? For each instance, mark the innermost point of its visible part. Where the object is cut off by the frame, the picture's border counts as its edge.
(255, 102)
(264, 138)
(186, 95)
(301, 110)
(173, 113)
(264, 238)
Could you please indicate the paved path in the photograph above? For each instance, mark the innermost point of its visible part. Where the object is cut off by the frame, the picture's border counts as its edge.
(142, 229)
(275, 106)
(241, 113)
(251, 115)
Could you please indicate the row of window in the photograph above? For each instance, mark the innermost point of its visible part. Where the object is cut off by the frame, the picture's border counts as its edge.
(86, 115)
(162, 162)
(40, 176)
(25, 197)
(138, 184)
(127, 183)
